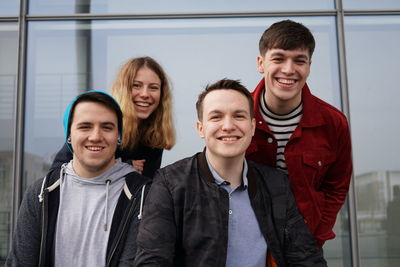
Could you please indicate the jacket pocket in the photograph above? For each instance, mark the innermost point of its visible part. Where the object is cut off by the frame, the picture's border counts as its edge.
(317, 164)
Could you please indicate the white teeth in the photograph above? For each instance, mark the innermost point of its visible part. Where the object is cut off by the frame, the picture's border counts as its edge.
(94, 148)
(142, 104)
(286, 81)
(229, 138)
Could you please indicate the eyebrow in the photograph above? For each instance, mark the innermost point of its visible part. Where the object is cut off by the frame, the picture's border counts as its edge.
(156, 83)
(91, 123)
(216, 111)
(282, 55)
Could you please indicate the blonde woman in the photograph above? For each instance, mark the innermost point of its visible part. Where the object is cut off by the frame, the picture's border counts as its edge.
(143, 91)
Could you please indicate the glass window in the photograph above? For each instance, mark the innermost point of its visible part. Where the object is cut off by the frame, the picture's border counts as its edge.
(174, 6)
(9, 8)
(65, 58)
(371, 4)
(372, 58)
(8, 79)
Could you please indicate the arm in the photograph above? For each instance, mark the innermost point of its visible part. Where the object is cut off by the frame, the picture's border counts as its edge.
(157, 231)
(25, 246)
(300, 248)
(63, 156)
(152, 157)
(153, 162)
(335, 185)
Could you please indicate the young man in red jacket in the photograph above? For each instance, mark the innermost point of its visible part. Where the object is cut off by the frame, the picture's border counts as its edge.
(298, 132)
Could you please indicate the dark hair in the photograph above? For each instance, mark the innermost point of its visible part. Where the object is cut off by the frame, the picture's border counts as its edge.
(287, 35)
(96, 97)
(224, 84)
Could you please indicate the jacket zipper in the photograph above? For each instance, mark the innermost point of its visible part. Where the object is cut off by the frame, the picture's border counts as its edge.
(42, 258)
(123, 230)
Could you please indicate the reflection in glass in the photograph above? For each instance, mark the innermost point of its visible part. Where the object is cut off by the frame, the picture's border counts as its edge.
(371, 4)
(9, 7)
(65, 58)
(172, 6)
(372, 58)
(8, 78)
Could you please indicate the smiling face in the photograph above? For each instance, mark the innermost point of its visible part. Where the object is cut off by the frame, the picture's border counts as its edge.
(285, 72)
(146, 92)
(226, 126)
(94, 135)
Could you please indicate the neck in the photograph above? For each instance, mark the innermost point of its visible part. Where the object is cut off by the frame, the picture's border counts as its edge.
(279, 106)
(85, 171)
(230, 169)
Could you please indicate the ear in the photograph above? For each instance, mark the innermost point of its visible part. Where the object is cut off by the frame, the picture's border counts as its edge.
(199, 127)
(253, 126)
(260, 65)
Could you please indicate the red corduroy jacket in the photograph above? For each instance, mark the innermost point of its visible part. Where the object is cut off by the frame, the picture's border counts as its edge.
(318, 159)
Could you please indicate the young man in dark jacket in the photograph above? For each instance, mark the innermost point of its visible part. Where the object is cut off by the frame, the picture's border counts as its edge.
(85, 213)
(216, 208)
(297, 132)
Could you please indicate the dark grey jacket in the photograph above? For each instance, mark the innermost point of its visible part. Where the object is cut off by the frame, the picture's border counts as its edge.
(33, 241)
(185, 220)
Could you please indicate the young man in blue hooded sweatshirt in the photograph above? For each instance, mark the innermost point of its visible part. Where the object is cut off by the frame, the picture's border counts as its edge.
(87, 212)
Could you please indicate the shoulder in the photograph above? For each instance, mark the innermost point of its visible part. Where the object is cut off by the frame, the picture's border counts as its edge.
(273, 177)
(134, 180)
(179, 170)
(327, 110)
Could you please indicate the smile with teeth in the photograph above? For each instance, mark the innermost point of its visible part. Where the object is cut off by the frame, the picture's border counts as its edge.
(286, 81)
(95, 148)
(142, 104)
(229, 138)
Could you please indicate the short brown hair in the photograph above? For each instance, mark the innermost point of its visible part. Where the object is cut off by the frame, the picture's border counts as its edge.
(224, 84)
(287, 35)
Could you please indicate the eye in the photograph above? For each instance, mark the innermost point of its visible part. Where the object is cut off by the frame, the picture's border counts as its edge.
(83, 127)
(301, 61)
(239, 116)
(277, 59)
(215, 117)
(136, 85)
(154, 88)
(108, 127)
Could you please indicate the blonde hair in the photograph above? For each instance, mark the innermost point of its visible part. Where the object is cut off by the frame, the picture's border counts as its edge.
(157, 130)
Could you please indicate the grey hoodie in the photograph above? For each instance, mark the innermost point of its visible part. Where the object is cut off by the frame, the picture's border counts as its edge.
(85, 214)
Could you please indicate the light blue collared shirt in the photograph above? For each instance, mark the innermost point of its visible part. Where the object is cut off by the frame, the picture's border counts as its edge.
(246, 244)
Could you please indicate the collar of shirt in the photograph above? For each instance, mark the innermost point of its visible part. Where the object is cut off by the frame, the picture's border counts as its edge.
(220, 181)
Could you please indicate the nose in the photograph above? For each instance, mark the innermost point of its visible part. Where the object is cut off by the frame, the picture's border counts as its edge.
(144, 92)
(288, 67)
(228, 125)
(95, 135)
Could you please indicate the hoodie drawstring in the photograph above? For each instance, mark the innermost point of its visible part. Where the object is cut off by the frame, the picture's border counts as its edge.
(141, 203)
(108, 182)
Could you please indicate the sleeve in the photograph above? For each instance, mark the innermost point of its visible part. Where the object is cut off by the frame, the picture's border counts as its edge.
(300, 246)
(157, 231)
(62, 156)
(153, 157)
(127, 257)
(153, 162)
(25, 247)
(335, 185)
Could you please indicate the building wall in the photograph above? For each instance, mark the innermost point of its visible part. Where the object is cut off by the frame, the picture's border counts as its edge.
(198, 42)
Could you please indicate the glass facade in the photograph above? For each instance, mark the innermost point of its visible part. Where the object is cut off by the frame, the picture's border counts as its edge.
(173, 6)
(65, 57)
(373, 41)
(8, 79)
(9, 8)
